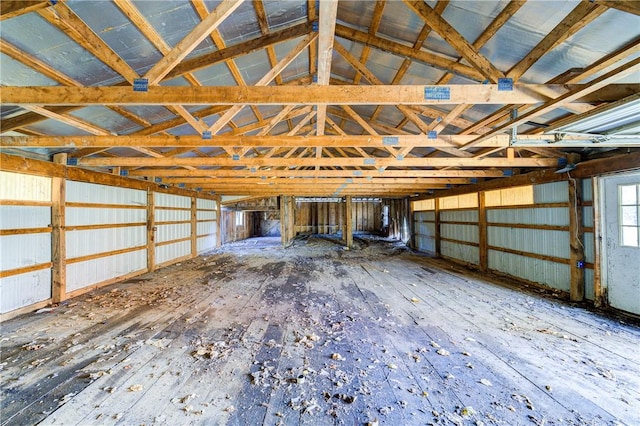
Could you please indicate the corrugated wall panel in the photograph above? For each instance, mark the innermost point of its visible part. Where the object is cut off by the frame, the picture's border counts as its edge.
(83, 192)
(558, 216)
(16, 186)
(26, 289)
(587, 216)
(467, 233)
(21, 217)
(552, 274)
(203, 203)
(539, 241)
(588, 284)
(24, 250)
(84, 274)
(176, 231)
(463, 252)
(425, 216)
(206, 243)
(94, 241)
(162, 215)
(79, 216)
(459, 216)
(587, 190)
(425, 229)
(173, 251)
(425, 244)
(555, 192)
(169, 200)
(589, 249)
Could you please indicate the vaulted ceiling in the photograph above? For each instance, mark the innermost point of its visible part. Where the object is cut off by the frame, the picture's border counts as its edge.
(297, 97)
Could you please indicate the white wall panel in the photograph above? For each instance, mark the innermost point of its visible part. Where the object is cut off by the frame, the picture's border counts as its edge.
(206, 243)
(94, 241)
(425, 216)
(425, 228)
(587, 216)
(467, 233)
(425, 244)
(170, 252)
(588, 284)
(557, 216)
(20, 217)
(17, 251)
(203, 203)
(205, 215)
(26, 289)
(83, 274)
(172, 215)
(555, 192)
(544, 242)
(552, 274)
(459, 216)
(172, 232)
(82, 192)
(169, 200)
(205, 228)
(589, 249)
(587, 190)
(16, 186)
(463, 252)
(78, 216)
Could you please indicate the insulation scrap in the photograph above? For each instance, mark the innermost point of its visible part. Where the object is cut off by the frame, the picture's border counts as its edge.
(443, 352)
(485, 382)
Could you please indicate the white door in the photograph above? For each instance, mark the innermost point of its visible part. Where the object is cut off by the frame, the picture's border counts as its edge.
(620, 209)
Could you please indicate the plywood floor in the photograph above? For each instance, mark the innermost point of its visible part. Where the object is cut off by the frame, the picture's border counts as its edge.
(317, 335)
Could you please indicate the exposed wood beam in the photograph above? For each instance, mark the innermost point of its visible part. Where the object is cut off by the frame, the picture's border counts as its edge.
(191, 41)
(581, 15)
(240, 49)
(12, 8)
(322, 162)
(270, 95)
(263, 82)
(326, 30)
(602, 81)
(67, 21)
(486, 173)
(455, 39)
(69, 120)
(319, 181)
(224, 140)
(629, 6)
(373, 29)
(402, 50)
(276, 119)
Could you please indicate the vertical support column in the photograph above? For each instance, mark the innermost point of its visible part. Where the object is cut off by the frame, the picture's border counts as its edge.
(482, 232)
(412, 227)
(576, 236)
(194, 226)
(437, 226)
(58, 236)
(348, 222)
(292, 218)
(597, 235)
(287, 219)
(151, 231)
(218, 221)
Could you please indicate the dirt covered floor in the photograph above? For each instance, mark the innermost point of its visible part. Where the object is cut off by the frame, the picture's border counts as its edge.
(314, 334)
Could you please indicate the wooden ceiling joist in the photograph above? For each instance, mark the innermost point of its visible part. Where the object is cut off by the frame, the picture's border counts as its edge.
(277, 95)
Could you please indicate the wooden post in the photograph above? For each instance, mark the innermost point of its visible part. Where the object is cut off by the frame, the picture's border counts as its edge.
(58, 236)
(482, 232)
(437, 225)
(194, 226)
(598, 299)
(151, 232)
(576, 236)
(348, 223)
(218, 221)
(292, 218)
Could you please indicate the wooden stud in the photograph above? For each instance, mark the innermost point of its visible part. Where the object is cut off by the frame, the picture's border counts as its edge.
(191, 41)
(598, 297)
(347, 226)
(576, 236)
(194, 226)
(218, 221)
(58, 233)
(151, 232)
(455, 39)
(438, 238)
(295, 95)
(482, 232)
